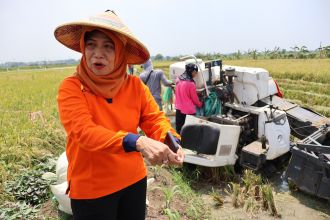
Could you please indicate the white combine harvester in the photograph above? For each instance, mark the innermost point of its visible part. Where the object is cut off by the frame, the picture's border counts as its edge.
(247, 127)
(254, 125)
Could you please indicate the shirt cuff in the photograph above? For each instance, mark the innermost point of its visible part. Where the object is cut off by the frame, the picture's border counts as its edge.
(177, 140)
(129, 142)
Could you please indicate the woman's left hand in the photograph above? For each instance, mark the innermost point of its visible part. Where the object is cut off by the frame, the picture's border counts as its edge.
(158, 153)
(177, 158)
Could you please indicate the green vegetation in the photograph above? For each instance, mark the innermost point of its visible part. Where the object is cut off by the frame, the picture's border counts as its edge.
(24, 67)
(18, 211)
(29, 186)
(176, 198)
(169, 193)
(196, 208)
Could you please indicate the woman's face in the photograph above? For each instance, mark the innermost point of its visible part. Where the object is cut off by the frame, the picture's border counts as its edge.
(194, 73)
(100, 53)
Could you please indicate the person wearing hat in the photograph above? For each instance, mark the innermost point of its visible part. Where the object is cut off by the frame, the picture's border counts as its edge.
(101, 108)
(153, 79)
(186, 98)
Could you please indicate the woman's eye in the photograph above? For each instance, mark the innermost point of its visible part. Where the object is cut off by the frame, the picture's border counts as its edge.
(109, 46)
(90, 44)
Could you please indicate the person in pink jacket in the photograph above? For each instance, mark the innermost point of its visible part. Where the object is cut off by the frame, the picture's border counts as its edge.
(186, 98)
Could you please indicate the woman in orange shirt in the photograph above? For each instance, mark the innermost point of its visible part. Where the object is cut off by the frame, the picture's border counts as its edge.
(101, 108)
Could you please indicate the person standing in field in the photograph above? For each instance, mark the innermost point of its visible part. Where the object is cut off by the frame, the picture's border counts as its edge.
(186, 98)
(131, 69)
(153, 79)
(101, 108)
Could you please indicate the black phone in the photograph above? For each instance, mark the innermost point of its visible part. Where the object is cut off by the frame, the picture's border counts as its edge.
(171, 142)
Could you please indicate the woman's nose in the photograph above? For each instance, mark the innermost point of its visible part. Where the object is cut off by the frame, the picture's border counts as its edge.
(98, 53)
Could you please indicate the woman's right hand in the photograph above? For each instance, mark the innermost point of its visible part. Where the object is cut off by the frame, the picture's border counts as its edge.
(157, 153)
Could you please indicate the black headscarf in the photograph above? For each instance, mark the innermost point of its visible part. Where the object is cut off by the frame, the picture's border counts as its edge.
(187, 75)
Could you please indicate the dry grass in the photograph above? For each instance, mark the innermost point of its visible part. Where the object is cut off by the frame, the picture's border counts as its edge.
(253, 195)
(312, 70)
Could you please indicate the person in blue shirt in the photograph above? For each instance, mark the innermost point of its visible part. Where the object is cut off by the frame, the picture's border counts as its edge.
(153, 79)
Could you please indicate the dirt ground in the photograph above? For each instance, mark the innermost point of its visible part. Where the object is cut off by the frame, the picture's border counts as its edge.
(290, 205)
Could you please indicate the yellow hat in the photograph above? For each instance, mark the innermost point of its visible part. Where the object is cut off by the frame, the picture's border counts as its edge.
(69, 34)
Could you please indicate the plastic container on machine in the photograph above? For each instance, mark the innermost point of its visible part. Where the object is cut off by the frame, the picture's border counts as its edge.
(277, 132)
(178, 68)
(250, 84)
(215, 75)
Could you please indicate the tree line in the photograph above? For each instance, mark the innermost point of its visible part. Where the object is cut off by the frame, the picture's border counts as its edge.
(296, 52)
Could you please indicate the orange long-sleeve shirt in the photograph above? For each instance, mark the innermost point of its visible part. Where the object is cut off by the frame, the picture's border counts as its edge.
(98, 163)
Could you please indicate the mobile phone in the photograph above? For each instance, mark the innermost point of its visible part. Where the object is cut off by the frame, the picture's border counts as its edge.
(171, 142)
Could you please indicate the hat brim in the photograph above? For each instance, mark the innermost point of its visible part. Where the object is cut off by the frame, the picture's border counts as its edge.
(69, 34)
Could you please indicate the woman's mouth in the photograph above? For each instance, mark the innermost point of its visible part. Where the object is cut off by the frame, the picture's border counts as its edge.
(98, 66)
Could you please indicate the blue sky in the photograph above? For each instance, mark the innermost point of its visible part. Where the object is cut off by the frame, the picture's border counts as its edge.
(169, 27)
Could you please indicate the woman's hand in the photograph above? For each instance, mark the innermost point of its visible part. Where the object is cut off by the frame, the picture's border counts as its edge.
(180, 155)
(158, 153)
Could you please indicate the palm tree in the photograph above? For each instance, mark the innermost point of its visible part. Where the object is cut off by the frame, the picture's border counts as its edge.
(238, 54)
(321, 50)
(266, 52)
(252, 53)
(302, 51)
(295, 51)
(274, 52)
(327, 50)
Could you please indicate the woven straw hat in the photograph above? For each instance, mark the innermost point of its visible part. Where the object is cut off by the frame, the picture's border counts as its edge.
(69, 34)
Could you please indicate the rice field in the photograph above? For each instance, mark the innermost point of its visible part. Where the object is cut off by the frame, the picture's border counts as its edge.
(29, 125)
(309, 70)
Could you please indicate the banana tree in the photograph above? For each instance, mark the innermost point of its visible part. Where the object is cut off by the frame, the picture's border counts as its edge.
(253, 53)
(275, 52)
(327, 50)
(295, 51)
(320, 49)
(303, 51)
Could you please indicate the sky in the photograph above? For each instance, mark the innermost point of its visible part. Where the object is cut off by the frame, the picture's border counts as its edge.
(168, 27)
